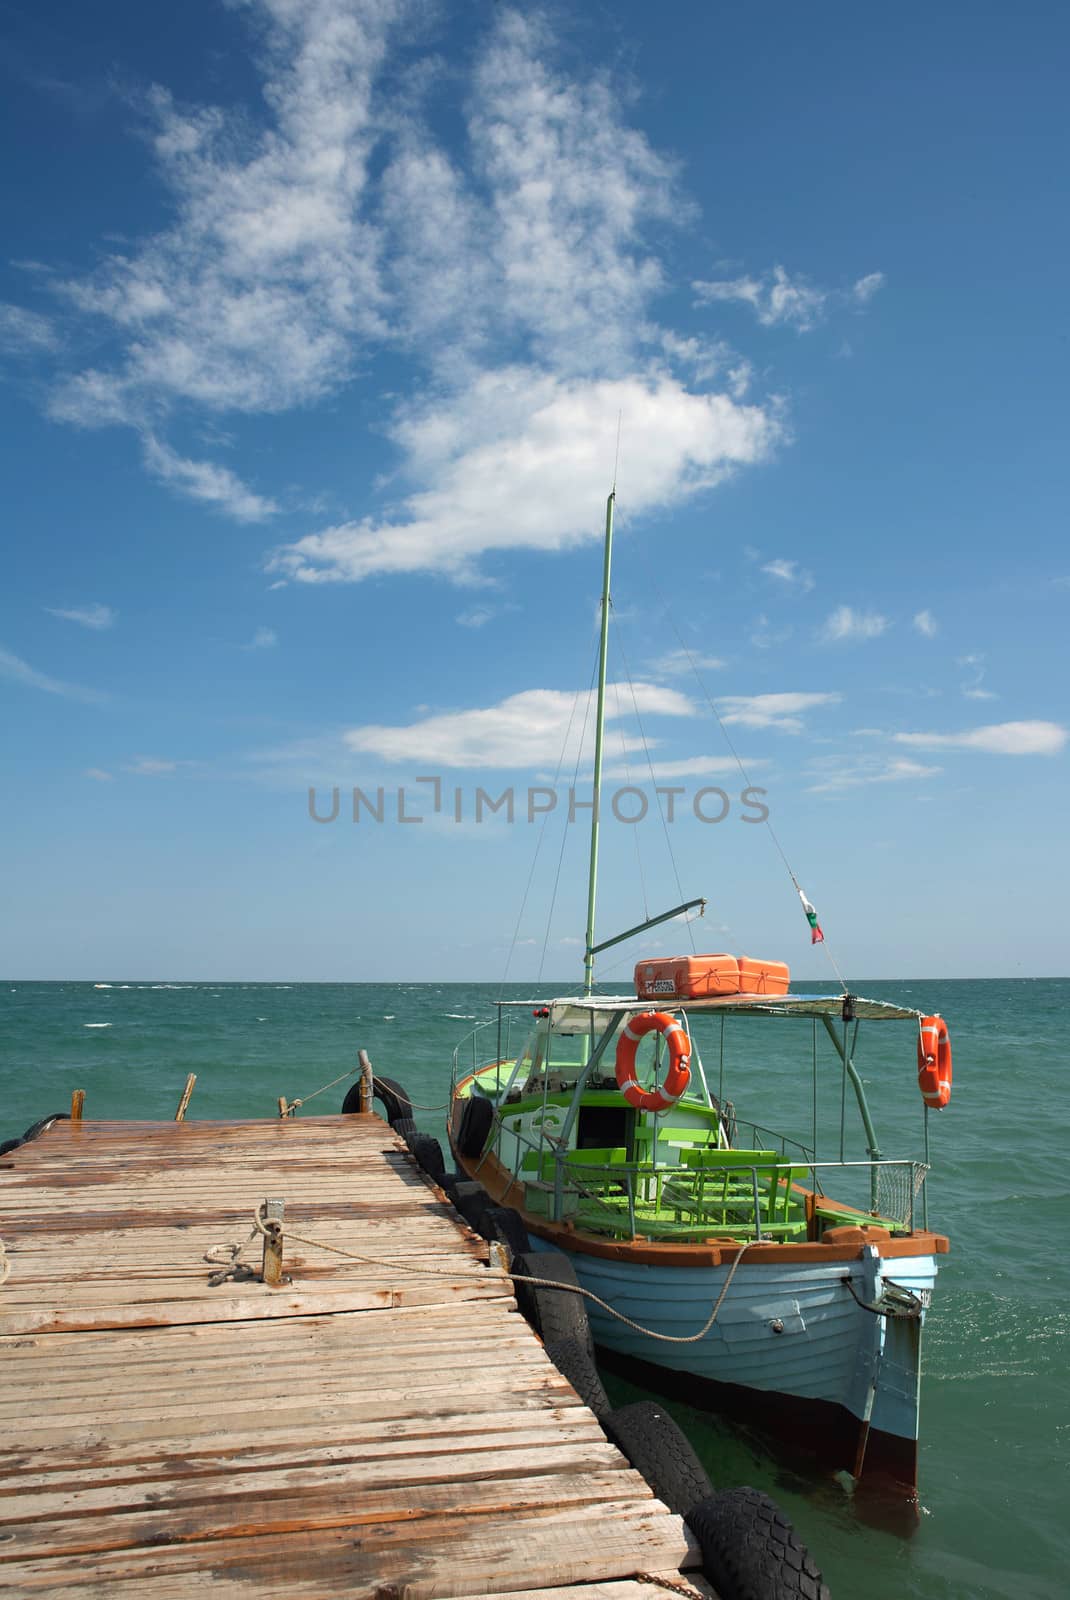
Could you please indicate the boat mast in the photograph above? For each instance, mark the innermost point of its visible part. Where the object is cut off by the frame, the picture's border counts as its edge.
(599, 731)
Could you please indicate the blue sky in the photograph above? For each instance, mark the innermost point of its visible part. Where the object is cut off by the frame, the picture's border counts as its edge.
(317, 323)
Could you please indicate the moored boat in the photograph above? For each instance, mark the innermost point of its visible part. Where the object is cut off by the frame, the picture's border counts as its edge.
(723, 1260)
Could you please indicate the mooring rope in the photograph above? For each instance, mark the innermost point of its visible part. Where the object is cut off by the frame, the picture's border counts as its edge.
(294, 1105)
(273, 1229)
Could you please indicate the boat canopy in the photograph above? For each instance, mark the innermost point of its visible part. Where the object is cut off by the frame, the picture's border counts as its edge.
(577, 1014)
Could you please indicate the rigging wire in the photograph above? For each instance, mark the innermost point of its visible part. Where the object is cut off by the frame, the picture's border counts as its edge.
(743, 772)
(628, 776)
(564, 830)
(653, 780)
(538, 843)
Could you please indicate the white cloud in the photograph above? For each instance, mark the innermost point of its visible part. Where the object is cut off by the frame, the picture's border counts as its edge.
(98, 775)
(262, 639)
(153, 766)
(526, 730)
(774, 298)
(688, 767)
(204, 480)
(998, 738)
(519, 267)
(925, 624)
(25, 332)
(772, 710)
(94, 616)
(676, 662)
(765, 637)
(846, 623)
(15, 670)
(837, 772)
(865, 288)
(790, 573)
(519, 461)
(972, 689)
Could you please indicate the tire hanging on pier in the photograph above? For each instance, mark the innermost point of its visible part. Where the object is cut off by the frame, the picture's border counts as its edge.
(657, 1446)
(554, 1313)
(395, 1101)
(750, 1550)
(34, 1131)
(573, 1362)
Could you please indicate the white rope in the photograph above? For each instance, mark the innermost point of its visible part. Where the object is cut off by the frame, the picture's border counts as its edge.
(276, 1227)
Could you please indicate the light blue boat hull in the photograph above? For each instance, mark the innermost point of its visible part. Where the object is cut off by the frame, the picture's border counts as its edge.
(783, 1330)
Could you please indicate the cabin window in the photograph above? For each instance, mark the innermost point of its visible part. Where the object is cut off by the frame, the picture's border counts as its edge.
(604, 1127)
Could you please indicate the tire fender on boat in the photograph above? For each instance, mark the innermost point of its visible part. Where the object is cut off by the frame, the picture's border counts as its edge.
(934, 1062)
(679, 1074)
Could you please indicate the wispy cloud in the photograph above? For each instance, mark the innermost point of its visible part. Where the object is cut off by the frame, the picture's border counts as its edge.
(998, 738)
(972, 687)
(15, 670)
(205, 480)
(847, 624)
(518, 268)
(925, 624)
(532, 729)
(781, 711)
(24, 332)
(863, 290)
(845, 772)
(154, 766)
(262, 639)
(775, 297)
(687, 767)
(99, 775)
(94, 616)
(778, 298)
(678, 662)
(790, 574)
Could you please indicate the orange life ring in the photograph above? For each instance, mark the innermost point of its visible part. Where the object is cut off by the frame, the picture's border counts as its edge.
(679, 1074)
(934, 1062)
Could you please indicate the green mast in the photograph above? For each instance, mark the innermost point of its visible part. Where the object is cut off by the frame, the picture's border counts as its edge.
(599, 730)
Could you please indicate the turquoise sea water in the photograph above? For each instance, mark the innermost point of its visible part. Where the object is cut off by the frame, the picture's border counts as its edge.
(996, 1394)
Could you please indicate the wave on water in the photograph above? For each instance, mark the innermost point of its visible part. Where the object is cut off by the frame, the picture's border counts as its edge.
(389, 1018)
(96, 1024)
(461, 1016)
(103, 986)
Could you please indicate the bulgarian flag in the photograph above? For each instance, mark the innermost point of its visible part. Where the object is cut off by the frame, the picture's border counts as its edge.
(816, 936)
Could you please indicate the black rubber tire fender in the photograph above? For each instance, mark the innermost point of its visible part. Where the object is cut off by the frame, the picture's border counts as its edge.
(657, 1446)
(9, 1145)
(474, 1208)
(404, 1127)
(571, 1359)
(750, 1550)
(555, 1314)
(35, 1129)
(395, 1101)
(428, 1155)
(477, 1119)
(503, 1223)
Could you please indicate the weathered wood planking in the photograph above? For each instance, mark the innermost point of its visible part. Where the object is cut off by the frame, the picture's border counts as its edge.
(385, 1426)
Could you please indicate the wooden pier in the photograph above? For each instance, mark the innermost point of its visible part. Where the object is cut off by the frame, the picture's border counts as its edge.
(382, 1427)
